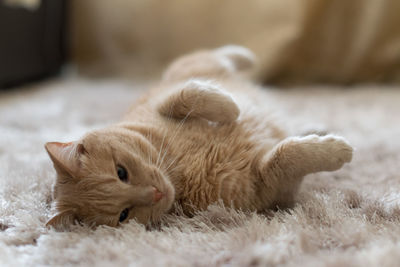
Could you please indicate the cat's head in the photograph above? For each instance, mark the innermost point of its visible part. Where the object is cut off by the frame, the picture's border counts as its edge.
(108, 177)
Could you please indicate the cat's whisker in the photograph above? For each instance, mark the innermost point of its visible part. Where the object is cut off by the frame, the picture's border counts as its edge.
(163, 139)
(150, 152)
(171, 170)
(170, 164)
(177, 129)
(169, 118)
(161, 148)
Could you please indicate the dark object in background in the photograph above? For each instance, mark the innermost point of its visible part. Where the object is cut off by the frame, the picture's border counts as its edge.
(32, 42)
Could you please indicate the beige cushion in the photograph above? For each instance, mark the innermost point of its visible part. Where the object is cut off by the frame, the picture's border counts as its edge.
(296, 40)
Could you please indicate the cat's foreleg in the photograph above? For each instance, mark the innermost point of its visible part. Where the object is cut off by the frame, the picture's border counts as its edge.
(293, 158)
(201, 99)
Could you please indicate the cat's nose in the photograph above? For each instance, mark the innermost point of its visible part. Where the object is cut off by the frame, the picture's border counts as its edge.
(157, 195)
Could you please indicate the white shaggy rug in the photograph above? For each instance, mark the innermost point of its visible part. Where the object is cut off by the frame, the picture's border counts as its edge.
(347, 218)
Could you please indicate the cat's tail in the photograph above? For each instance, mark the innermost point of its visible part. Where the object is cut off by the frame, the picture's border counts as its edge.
(220, 62)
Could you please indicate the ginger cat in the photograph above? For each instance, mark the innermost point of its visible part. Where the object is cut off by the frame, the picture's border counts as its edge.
(201, 136)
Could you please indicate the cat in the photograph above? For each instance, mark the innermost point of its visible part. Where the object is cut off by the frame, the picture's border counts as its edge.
(201, 136)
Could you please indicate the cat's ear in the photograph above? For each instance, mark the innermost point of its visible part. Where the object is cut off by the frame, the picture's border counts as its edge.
(62, 219)
(66, 157)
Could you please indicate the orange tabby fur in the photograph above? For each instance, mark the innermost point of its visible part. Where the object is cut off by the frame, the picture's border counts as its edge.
(201, 136)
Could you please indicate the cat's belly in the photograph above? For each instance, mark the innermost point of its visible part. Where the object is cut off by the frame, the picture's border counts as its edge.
(204, 186)
(221, 163)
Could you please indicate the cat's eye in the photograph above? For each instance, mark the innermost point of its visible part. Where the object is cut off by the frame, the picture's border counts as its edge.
(122, 174)
(124, 214)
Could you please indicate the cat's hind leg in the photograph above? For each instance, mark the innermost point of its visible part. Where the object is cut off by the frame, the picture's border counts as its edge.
(220, 62)
(294, 157)
(202, 99)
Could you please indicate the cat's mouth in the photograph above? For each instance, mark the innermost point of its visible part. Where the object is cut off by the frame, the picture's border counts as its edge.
(166, 197)
(157, 195)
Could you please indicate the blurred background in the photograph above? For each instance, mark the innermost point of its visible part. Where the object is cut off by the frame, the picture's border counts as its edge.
(296, 41)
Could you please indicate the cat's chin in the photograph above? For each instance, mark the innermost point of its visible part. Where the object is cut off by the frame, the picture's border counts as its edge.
(163, 206)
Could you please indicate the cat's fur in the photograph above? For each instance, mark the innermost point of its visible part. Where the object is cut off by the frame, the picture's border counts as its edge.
(201, 136)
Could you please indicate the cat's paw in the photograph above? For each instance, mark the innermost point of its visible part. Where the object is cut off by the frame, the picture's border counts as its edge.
(334, 151)
(202, 99)
(235, 57)
(208, 100)
(223, 61)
